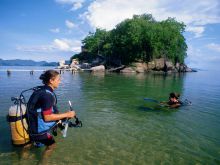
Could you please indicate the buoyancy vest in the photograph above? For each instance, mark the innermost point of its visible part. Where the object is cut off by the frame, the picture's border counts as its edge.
(36, 123)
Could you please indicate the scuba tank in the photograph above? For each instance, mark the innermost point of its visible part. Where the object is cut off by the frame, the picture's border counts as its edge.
(18, 123)
(19, 120)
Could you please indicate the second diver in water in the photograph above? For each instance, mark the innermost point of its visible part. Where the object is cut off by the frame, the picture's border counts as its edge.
(174, 101)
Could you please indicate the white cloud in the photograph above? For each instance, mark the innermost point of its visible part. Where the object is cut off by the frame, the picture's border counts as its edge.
(199, 58)
(197, 30)
(36, 48)
(55, 30)
(214, 47)
(62, 45)
(107, 13)
(67, 45)
(69, 24)
(68, 1)
(76, 4)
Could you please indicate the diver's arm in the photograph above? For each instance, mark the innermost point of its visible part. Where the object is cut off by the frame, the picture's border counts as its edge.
(163, 102)
(175, 105)
(54, 117)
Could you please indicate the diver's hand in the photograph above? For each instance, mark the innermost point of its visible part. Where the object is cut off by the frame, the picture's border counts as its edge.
(70, 114)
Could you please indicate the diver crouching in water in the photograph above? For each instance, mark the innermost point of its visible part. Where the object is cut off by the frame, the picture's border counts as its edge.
(42, 114)
(174, 101)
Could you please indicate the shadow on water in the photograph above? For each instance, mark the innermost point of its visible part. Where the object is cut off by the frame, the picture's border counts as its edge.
(157, 109)
(5, 139)
(147, 109)
(7, 150)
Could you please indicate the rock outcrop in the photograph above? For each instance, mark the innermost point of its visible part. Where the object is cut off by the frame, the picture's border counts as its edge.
(128, 70)
(151, 65)
(62, 65)
(158, 65)
(169, 66)
(100, 68)
(140, 67)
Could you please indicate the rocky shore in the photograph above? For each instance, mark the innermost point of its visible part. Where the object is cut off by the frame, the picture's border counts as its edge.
(157, 65)
(160, 65)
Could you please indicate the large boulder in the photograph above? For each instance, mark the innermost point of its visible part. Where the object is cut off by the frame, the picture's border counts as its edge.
(169, 66)
(140, 70)
(85, 66)
(140, 67)
(151, 65)
(159, 64)
(75, 65)
(62, 65)
(183, 68)
(177, 66)
(128, 70)
(118, 69)
(100, 68)
(188, 69)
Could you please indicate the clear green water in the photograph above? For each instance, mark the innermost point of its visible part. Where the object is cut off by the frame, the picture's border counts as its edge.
(119, 127)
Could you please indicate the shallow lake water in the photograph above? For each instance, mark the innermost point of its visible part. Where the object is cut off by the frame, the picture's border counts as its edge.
(119, 126)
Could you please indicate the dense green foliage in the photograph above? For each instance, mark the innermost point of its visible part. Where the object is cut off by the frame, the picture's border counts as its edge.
(141, 38)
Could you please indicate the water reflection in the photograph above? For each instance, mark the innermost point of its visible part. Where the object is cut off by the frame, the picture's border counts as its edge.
(131, 87)
(98, 74)
(9, 73)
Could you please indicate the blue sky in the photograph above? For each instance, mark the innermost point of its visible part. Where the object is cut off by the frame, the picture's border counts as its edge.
(52, 30)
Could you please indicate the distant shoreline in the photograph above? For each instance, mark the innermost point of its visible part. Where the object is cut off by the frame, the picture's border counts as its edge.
(19, 62)
(25, 68)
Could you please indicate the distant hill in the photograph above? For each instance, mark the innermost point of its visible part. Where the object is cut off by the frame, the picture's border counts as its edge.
(18, 62)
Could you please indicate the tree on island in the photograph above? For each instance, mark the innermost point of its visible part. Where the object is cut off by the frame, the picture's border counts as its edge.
(141, 38)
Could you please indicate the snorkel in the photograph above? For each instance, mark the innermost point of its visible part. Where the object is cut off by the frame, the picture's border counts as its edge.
(68, 123)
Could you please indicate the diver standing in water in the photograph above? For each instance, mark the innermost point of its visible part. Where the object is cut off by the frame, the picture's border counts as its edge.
(43, 114)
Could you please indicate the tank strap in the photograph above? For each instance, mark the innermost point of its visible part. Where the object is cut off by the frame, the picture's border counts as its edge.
(53, 94)
(15, 118)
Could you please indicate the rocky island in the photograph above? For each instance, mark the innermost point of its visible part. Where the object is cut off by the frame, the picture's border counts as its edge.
(136, 45)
